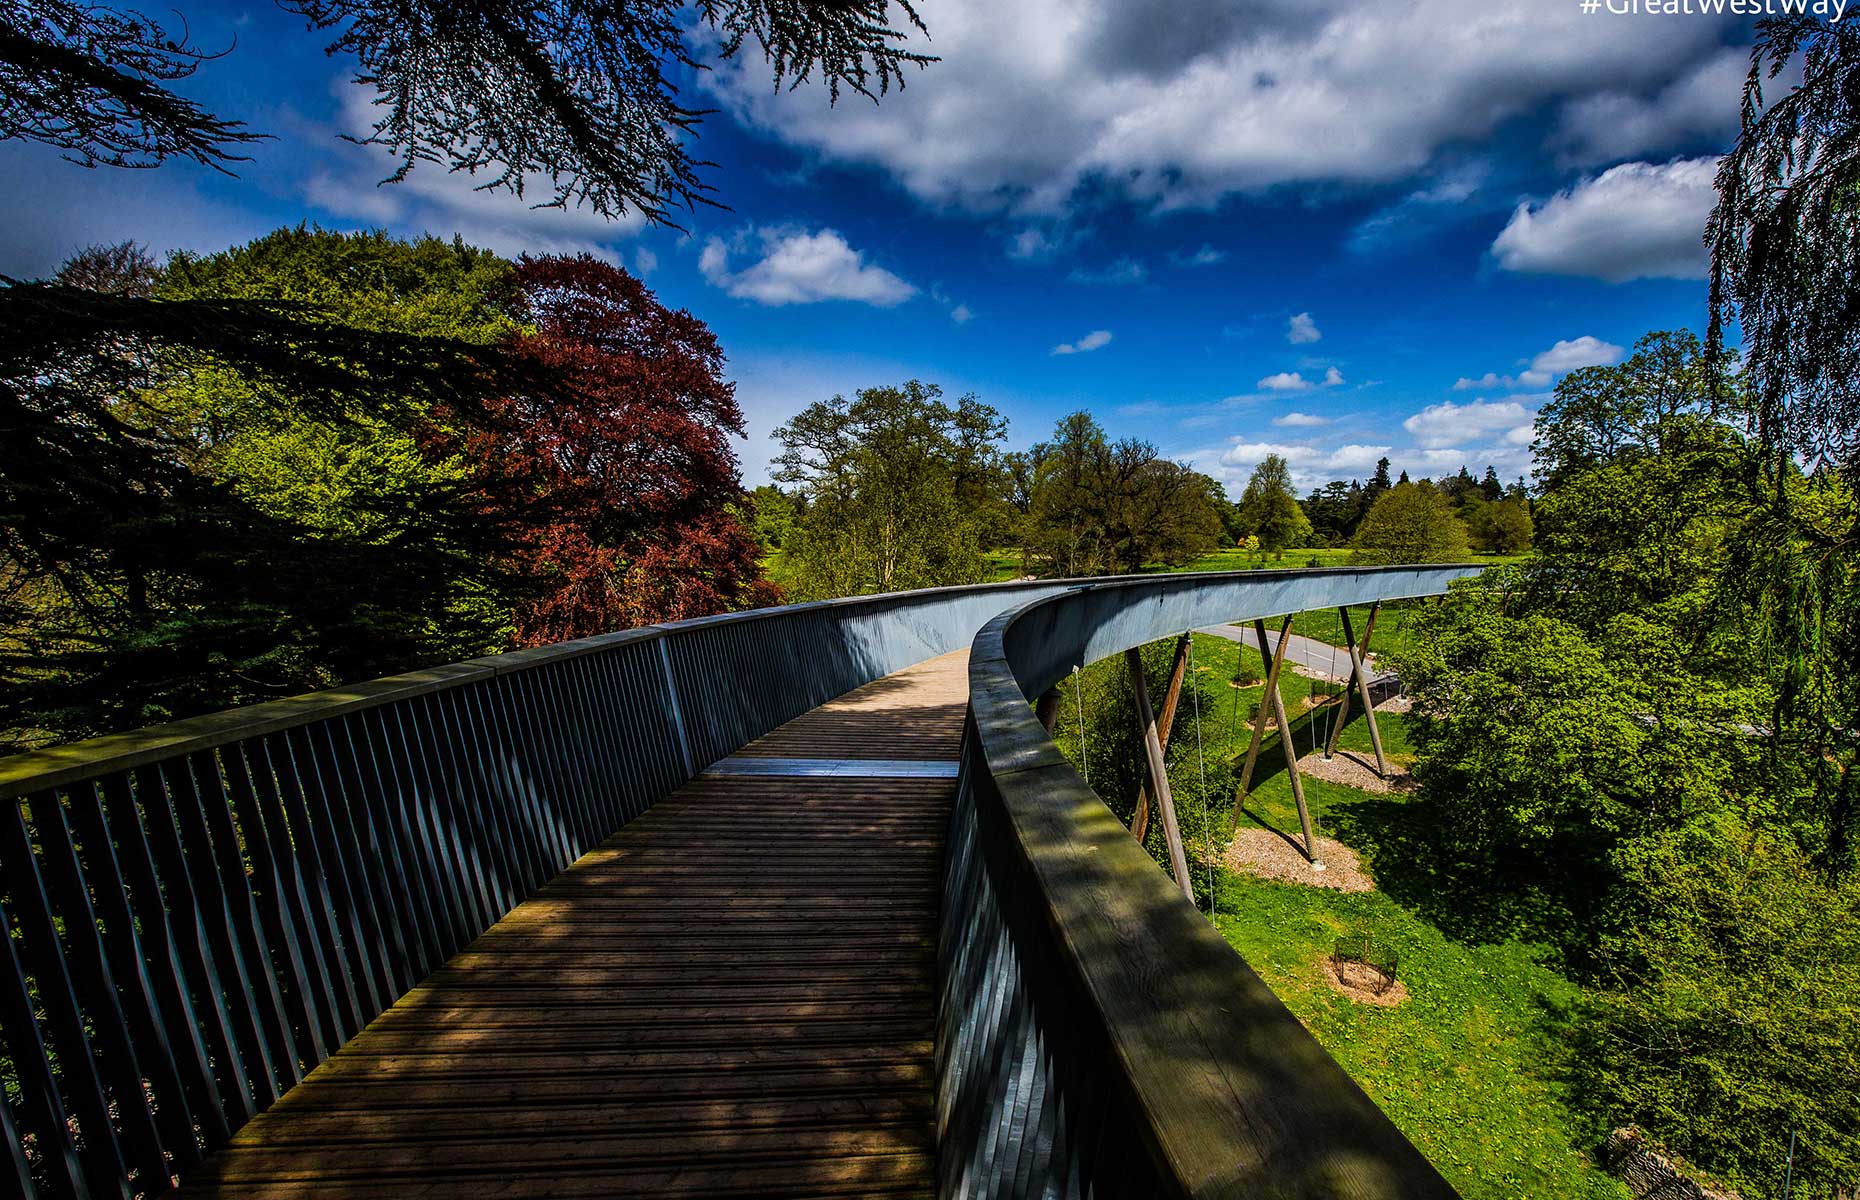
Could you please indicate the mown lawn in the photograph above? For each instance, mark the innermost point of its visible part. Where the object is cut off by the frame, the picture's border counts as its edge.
(1466, 1067)
(1232, 558)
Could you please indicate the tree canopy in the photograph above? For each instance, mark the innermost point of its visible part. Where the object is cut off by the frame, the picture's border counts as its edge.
(1097, 507)
(895, 484)
(1411, 523)
(1269, 508)
(324, 457)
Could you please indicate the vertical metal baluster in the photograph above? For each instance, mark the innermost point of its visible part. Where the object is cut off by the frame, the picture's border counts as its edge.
(482, 846)
(437, 804)
(185, 853)
(17, 1174)
(522, 720)
(613, 762)
(421, 803)
(294, 847)
(500, 773)
(559, 730)
(129, 964)
(387, 819)
(276, 900)
(402, 838)
(359, 812)
(188, 969)
(507, 745)
(227, 846)
(42, 1108)
(325, 797)
(495, 809)
(631, 760)
(653, 775)
(89, 967)
(542, 790)
(101, 1155)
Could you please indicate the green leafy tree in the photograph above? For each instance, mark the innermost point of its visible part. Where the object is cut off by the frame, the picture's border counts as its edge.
(889, 478)
(1543, 750)
(1099, 507)
(773, 516)
(1785, 244)
(1269, 507)
(1411, 523)
(141, 588)
(1499, 527)
(372, 473)
(1730, 1020)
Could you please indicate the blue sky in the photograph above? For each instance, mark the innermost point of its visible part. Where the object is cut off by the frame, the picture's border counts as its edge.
(1332, 228)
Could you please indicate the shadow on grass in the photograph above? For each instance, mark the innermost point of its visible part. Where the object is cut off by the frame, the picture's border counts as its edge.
(1425, 858)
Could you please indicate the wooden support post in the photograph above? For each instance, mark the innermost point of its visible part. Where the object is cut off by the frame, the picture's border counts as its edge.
(1047, 707)
(1277, 702)
(1265, 708)
(1159, 774)
(1361, 674)
(1343, 703)
(1140, 820)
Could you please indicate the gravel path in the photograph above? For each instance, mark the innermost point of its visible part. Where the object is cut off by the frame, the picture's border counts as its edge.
(1268, 855)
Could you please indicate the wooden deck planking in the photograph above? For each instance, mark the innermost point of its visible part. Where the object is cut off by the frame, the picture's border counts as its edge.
(732, 996)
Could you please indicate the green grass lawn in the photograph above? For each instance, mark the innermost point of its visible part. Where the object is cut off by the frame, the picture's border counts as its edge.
(1232, 558)
(1469, 1067)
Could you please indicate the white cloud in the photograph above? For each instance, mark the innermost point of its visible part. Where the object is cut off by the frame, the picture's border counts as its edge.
(1572, 353)
(961, 314)
(1311, 463)
(1333, 377)
(1567, 355)
(1635, 221)
(1285, 381)
(645, 262)
(1449, 424)
(798, 267)
(1449, 198)
(1095, 340)
(1176, 106)
(444, 203)
(1701, 104)
(1207, 256)
(1032, 244)
(1300, 419)
(1123, 271)
(1302, 329)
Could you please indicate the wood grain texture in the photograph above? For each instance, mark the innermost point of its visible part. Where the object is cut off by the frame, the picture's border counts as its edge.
(733, 996)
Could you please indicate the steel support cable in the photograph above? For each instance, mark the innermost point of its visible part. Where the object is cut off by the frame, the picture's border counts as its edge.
(1201, 764)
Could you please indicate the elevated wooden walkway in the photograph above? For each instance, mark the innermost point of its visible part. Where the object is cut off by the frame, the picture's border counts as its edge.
(732, 996)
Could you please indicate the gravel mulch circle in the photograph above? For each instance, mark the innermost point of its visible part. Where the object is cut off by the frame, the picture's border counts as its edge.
(1268, 855)
(1355, 770)
(1363, 983)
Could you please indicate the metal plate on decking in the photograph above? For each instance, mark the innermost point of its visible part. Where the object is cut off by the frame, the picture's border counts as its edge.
(840, 768)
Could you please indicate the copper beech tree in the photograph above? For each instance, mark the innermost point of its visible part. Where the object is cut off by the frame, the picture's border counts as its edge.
(632, 457)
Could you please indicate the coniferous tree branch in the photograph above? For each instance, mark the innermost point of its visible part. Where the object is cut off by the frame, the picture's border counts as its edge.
(89, 80)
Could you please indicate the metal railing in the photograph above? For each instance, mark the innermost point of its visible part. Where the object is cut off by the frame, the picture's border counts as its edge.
(1095, 1035)
(194, 916)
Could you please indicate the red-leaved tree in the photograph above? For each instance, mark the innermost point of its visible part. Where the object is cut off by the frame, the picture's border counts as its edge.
(632, 457)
